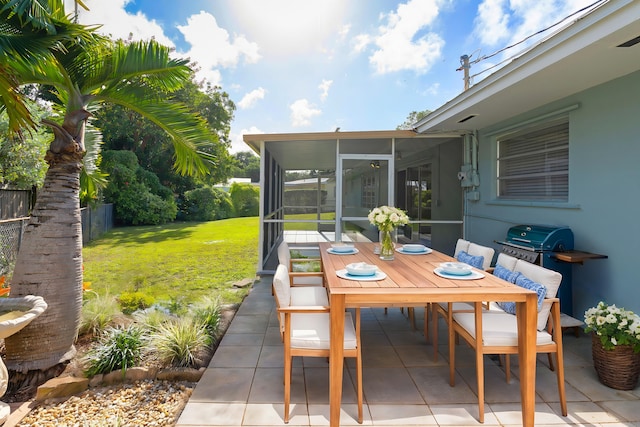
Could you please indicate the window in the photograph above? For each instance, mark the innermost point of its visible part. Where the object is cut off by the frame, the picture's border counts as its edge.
(533, 163)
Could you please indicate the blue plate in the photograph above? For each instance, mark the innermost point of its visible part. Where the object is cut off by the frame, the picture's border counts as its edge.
(350, 252)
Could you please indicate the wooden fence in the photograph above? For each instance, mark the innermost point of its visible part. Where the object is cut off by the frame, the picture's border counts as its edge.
(15, 203)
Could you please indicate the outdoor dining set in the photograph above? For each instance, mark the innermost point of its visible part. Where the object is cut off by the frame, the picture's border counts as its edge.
(506, 308)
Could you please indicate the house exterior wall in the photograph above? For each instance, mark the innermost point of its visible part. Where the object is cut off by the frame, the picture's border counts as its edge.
(604, 190)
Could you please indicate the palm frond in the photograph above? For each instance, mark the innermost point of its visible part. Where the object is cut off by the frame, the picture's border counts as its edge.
(13, 104)
(91, 178)
(188, 131)
(105, 67)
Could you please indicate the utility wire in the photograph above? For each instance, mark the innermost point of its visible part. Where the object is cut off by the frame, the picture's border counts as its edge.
(482, 58)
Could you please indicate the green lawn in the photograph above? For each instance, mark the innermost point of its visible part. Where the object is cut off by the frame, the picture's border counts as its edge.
(299, 226)
(175, 262)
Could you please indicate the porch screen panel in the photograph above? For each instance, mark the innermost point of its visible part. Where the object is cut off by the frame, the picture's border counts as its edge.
(533, 164)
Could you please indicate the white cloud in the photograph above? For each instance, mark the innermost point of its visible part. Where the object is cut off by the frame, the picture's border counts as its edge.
(492, 22)
(119, 24)
(431, 90)
(250, 99)
(401, 44)
(286, 27)
(324, 89)
(238, 144)
(508, 22)
(301, 113)
(202, 33)
(361, 41)
(344, 31)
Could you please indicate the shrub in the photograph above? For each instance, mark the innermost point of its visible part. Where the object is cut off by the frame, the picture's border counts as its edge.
(206, 204)
(97, 313)
(137, 194)
(132, 301)
(151, 318)
(208, 312)
(118, 348)
(180, 342)
(245, 199)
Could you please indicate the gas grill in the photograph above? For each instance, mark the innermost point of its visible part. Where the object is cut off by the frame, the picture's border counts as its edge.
(537, 244)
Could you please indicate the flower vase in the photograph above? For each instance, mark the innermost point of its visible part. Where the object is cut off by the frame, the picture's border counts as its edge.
(388, 240)
(618, 368)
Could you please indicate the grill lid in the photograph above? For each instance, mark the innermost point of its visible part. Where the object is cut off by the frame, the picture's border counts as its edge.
(540, 238)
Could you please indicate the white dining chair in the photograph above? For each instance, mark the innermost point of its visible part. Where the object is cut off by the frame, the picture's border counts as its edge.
(295, 295)
(495, 331)
(304, 278)
(306, 332)
(462, 247)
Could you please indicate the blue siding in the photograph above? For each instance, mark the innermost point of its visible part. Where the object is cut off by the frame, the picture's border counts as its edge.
(604, 192)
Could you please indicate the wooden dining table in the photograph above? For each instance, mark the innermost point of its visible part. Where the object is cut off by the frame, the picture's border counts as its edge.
(411, 281)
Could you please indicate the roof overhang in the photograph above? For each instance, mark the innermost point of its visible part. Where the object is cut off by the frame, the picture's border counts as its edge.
(587, 53)
(316, 150)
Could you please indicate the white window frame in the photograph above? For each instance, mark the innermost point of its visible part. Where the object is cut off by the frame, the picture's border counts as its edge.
(532, 162)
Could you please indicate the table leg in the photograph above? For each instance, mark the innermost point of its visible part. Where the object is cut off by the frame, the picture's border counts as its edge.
(336, 358)
(527, 325)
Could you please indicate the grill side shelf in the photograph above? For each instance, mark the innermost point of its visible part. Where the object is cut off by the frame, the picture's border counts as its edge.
(577, 257)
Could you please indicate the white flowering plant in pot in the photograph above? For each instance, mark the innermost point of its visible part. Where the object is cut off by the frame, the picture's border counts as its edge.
(614, 326)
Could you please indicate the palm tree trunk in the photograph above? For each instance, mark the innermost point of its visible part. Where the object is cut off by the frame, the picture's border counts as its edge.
(49, 264)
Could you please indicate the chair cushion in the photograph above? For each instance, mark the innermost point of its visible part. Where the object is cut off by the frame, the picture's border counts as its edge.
(505, 274)
(498, 329)
(473, 260)
(284, 256)
(549, 278)
(461, 245)
(484, 251)
(457, 306)
(311, 331)
(307, 280)
(507, 261)
(282, 286)
(525, 282)
(309, 295)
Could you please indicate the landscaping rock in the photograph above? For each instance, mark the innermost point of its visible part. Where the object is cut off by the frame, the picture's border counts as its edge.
(61, 387)
(244, 283)
(181, 374)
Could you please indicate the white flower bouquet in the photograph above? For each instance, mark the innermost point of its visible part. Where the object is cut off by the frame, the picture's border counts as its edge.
(386, 218)
(614, 326)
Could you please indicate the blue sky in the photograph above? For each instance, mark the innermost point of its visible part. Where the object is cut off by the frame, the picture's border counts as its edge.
(315, 65)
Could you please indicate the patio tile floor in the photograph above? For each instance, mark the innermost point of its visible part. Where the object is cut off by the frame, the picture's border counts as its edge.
(403, 386)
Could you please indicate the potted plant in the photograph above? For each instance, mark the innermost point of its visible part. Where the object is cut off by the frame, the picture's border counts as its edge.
(615, 335)
(386, 219)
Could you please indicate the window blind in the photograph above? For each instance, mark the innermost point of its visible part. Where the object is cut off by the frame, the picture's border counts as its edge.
(533, 163)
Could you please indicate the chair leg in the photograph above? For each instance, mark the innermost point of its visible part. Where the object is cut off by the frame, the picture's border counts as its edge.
(359, 367)
(551, 364)
(452, 358)
(359, 386)
(561, 388)
(507, 367)
(412, 317)
(287, 387)
(480, 379)
(426, 322)
(434, 321)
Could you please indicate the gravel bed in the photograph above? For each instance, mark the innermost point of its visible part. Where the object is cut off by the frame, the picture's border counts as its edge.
(145, 403)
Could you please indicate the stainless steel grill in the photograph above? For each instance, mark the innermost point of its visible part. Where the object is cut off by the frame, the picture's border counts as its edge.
(537, 244)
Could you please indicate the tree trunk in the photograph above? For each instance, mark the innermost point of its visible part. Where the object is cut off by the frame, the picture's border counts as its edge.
(49, 264)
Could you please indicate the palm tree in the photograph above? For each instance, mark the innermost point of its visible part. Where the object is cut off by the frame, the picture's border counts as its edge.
(84, 72)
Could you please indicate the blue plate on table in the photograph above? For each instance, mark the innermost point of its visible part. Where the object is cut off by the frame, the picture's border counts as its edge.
(406, 252)
(351, 251)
